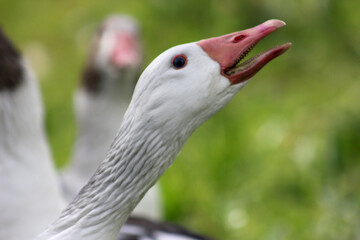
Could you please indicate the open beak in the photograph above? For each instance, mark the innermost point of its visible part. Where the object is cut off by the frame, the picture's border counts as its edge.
(230, 49)
(126, 52)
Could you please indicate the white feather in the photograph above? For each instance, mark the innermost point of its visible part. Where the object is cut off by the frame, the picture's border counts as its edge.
(167, 106)
(30, 195)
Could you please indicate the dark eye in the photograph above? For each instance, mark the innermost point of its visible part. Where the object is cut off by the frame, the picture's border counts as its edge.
(179, 61)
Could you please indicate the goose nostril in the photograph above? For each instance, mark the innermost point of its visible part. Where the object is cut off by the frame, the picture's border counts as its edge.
(239, 38)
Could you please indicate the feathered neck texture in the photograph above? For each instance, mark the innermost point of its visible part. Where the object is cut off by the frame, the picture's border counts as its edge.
(98, 114)
(100, 104)
(30, 195)
(166, 108)
(137, 158)
(103, 97)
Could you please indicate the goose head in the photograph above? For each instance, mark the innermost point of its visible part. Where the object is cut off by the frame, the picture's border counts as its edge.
(117, 44)
(188, 83)
(116, 57)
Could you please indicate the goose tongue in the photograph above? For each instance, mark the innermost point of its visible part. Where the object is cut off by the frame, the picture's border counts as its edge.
(230, 49)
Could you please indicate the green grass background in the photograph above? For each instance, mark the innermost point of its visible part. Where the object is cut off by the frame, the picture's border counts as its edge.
(281, 161)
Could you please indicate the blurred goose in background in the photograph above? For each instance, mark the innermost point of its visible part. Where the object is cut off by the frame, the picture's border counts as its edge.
(107, 85)
(29, 192)
(177, 92)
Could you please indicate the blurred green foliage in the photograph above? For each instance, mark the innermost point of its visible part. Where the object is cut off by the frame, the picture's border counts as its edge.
(282, 161)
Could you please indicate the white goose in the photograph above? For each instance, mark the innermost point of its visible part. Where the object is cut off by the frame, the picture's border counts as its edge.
(177, 92)
(29, 191)
(107, 85)
(30, 196)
